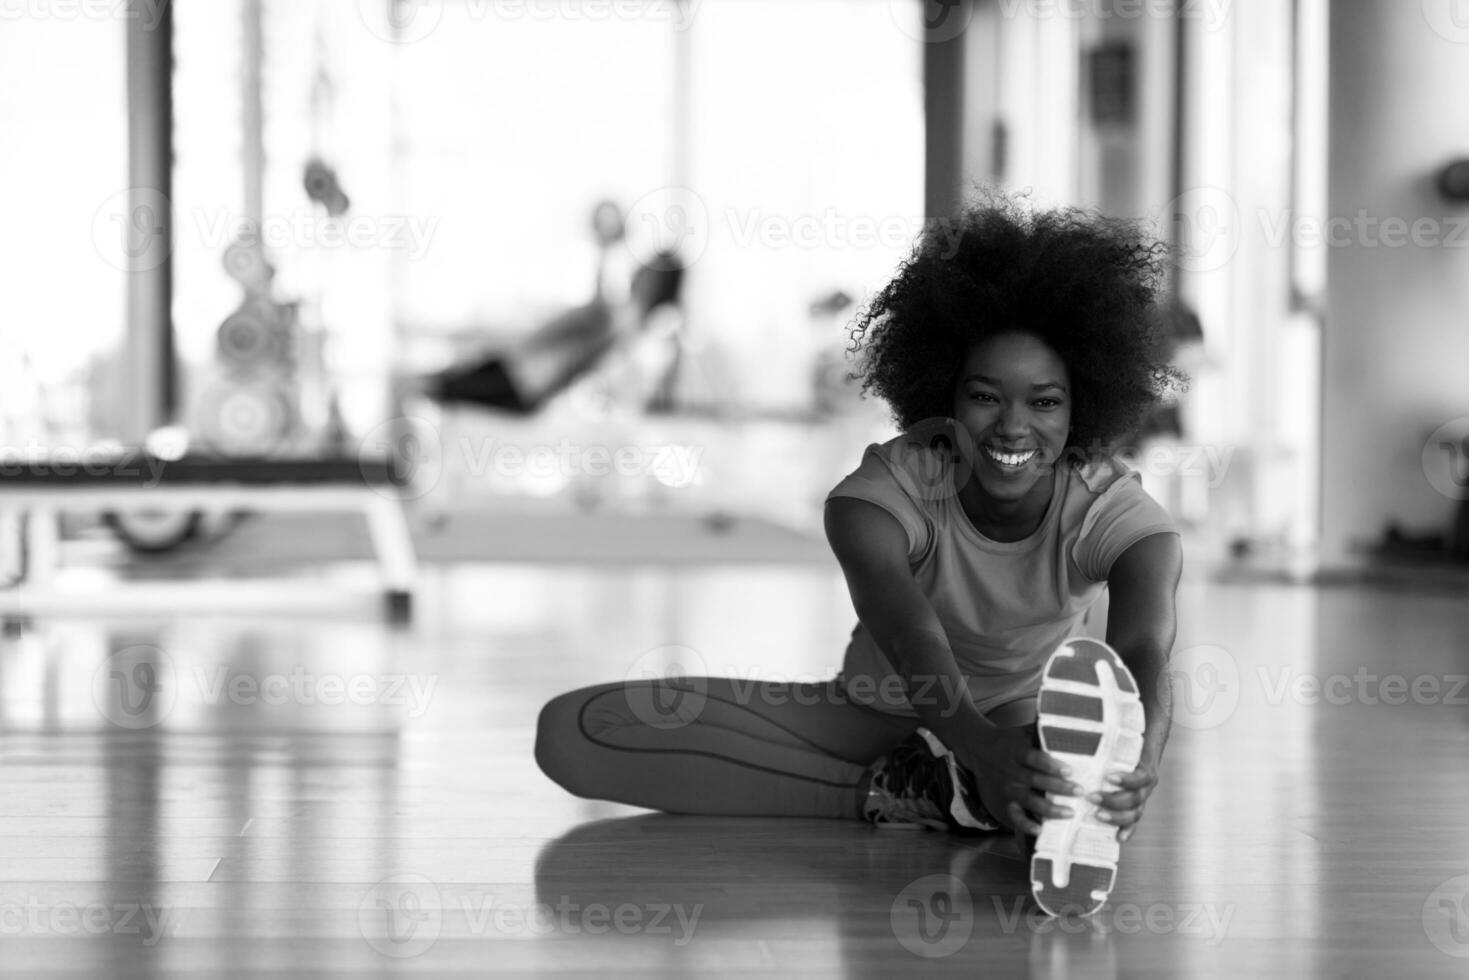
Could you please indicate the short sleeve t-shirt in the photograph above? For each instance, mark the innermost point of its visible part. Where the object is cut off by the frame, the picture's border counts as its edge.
(1004, 605)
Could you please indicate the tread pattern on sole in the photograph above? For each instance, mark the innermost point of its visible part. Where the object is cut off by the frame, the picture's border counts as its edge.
(1075, 862)
(1081, 667)
(1070, 740)
(1071, 705)
(1084, 893)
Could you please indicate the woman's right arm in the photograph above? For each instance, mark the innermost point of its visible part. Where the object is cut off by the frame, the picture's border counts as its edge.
(872, 548)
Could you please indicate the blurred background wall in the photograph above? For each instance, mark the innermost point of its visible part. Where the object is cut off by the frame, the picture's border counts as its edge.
(790, 152)
(1397, 347)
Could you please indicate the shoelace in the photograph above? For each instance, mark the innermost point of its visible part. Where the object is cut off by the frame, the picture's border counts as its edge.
(910, 772)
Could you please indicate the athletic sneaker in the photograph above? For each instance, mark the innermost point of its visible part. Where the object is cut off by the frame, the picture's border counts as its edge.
(919, 785)
(1090, 718)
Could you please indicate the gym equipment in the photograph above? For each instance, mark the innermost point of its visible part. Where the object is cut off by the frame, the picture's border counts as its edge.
(257, 336)
(169, 496)
(322, 187)
(153, 531)
(249, 418)
(245, 263)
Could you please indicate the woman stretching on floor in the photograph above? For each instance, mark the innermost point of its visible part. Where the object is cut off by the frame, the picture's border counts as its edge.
(1014, 357)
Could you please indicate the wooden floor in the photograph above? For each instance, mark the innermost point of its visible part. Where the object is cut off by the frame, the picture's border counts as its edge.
(207, 796)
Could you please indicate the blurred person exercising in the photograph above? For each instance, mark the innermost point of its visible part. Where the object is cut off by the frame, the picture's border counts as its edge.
(523, 377)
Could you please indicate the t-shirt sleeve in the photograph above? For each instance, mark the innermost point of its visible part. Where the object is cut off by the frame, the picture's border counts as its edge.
(1123, 515)
(875, 482)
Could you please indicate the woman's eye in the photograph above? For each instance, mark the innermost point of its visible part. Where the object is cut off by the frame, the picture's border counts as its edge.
(1048, 402)
(981, 396)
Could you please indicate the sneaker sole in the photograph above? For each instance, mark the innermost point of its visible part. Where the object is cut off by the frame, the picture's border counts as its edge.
(1090, 718)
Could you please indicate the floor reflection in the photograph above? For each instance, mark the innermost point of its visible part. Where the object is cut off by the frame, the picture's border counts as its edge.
(203, 675)
(825, 897)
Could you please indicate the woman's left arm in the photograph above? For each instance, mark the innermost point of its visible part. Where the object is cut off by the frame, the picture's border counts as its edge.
(1141, 624)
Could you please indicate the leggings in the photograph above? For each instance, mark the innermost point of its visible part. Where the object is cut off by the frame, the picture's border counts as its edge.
(718, 746)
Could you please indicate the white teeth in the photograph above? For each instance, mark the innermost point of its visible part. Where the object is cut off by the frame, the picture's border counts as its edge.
(1010, 459)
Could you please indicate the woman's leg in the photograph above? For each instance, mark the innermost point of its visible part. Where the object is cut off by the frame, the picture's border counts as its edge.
(715, 745)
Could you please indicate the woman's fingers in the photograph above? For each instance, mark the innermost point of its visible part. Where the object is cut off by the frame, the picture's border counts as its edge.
(1045, 764)
(1139, 779)
(1025, 797)
(1055, 784)
(1121, 800)
(1043, 807)
(1120, 818)
(1021, 820)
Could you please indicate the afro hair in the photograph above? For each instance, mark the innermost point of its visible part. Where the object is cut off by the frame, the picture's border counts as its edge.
(1086, 285)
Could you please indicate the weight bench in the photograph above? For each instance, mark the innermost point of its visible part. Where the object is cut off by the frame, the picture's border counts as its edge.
(41, 489)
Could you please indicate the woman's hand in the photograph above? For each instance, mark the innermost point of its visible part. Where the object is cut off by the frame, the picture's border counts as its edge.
(1123, 806)
(1021, 774)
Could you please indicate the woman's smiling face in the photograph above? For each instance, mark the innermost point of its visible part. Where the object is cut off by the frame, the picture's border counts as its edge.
(1014, 399)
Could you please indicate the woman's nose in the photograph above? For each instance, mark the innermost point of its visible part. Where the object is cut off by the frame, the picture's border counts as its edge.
(1013, 419)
